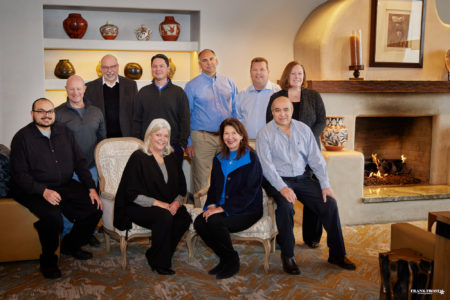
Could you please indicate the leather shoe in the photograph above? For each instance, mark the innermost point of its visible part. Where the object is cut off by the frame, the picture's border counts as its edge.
(216, 269)
(312, 245)
(50, 272)
(76, 253)
(290, 265)
(228, 270)
(342, 262)
(164, 271)
(94, 242)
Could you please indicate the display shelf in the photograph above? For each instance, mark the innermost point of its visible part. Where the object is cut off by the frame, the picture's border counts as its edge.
(50, 44)
(59, 84)
(379, 86)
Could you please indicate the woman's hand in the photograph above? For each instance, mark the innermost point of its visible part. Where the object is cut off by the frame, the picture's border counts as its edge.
(161, 204)
(173, 207)
(211, 211)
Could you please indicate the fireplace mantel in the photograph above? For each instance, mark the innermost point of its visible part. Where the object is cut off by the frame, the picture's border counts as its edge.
(379, 86)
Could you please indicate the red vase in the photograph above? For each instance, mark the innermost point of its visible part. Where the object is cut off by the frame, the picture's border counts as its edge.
(75, 26)
(169, 29)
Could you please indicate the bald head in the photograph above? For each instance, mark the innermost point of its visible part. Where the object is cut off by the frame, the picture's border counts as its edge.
(110, 68)
(75, 89)
(282, 110)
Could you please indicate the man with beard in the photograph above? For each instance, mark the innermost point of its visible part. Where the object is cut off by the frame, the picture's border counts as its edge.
(44, 156)
(114, 96)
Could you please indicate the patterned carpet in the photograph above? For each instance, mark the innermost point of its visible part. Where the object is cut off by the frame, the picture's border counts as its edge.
(103, 278)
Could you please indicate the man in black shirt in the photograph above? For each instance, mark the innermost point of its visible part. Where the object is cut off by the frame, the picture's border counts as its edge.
(162, 99)
(44, 156)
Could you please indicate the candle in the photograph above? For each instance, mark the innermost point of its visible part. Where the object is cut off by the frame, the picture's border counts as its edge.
(356, 48)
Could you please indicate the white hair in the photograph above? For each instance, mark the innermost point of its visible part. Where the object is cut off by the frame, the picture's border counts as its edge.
(156, 125)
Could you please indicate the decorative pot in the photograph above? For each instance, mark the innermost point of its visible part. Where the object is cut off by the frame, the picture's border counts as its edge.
(335, 134)
(133, 71)
(169, 29)
(109, 31)
(172, 68)
(64, 69)
(98, 69)
(75, 26)
(143, 33)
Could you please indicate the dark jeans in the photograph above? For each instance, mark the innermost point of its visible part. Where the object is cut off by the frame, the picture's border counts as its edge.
(309, 193)
(76, 207)
(216, 231)
(167, 231)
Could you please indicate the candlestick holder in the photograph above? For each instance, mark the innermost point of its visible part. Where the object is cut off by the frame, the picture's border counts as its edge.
(356, 73)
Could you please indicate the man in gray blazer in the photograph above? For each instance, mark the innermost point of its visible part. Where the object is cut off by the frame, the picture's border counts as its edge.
(114, 95)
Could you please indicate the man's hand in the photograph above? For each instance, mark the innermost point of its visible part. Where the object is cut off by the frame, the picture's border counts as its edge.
(190, 151)
(95, 198)
(211, 211)
(289, 194)
(328, 192)
(173, 207)
(52, 197)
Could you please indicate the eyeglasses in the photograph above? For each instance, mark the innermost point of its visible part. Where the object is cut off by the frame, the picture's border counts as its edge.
(109, 67)
(44, 112)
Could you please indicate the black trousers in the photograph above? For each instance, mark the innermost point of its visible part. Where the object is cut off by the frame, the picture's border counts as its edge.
(75, 205)
(216, 232)
(309, 193)
(167, 231)
(311, 225)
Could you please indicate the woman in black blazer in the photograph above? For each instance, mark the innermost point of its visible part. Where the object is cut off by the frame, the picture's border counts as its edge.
(234, 200)
(151, 194)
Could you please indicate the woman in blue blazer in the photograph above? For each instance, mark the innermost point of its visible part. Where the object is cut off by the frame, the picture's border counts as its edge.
(234, 200)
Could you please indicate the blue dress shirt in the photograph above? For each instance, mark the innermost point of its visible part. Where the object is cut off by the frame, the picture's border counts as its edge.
(281, 156)
(211, 100)
(251, 106)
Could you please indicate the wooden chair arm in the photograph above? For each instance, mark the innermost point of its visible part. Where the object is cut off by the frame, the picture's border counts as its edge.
(271, 211)
(198, 195)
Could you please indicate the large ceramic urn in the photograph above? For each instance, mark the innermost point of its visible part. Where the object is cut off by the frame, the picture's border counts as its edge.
(169, 29)
(133, 71)
(64, 69)
(335, 134)
(75, 26)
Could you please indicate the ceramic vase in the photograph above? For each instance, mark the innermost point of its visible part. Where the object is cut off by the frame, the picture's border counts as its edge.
(335, 134)
(143, 33)
(64, 69)
(133, 71)
(169, 29)
(172, 68)
(109, 31)
(75, 26)
(98, 69)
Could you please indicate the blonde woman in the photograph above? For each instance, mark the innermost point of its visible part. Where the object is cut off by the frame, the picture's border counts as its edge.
(150, 194)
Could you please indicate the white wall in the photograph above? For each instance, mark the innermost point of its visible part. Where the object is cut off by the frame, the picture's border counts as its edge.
(237, 30)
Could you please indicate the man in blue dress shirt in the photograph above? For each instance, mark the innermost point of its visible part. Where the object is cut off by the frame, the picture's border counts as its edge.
(251, 104)
(285, 147)
(211, 100)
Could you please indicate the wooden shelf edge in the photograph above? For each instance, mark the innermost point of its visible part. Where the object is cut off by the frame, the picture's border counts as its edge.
(81, 44)
(59, 84)
(379, 86)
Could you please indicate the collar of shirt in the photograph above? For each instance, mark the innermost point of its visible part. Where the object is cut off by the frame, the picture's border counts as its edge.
(209, 77)
(110, 85)
(161, 87)
(269, 86)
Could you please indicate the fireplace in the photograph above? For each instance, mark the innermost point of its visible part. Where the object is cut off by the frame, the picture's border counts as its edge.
(402, 146)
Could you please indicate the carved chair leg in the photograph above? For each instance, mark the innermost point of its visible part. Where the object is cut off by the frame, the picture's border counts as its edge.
(107, 242)
(123, 252)
(267, 248)
(191, 243)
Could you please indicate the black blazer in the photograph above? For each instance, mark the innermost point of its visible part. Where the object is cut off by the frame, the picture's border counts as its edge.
(143, 176)
(243, 193)
(127, 91)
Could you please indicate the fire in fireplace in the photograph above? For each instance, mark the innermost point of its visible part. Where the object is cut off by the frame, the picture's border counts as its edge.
(384, 140)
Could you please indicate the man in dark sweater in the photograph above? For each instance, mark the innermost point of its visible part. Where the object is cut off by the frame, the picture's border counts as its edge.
(44, 156)
(114, 96)
(162, 99)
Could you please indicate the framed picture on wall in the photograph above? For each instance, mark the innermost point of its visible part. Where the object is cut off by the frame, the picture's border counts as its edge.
(396, 33)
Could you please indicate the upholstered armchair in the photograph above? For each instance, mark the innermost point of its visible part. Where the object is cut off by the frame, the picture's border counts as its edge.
(111, 157)
(264, 231)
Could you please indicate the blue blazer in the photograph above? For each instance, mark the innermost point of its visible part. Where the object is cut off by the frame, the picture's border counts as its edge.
(243, 193)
